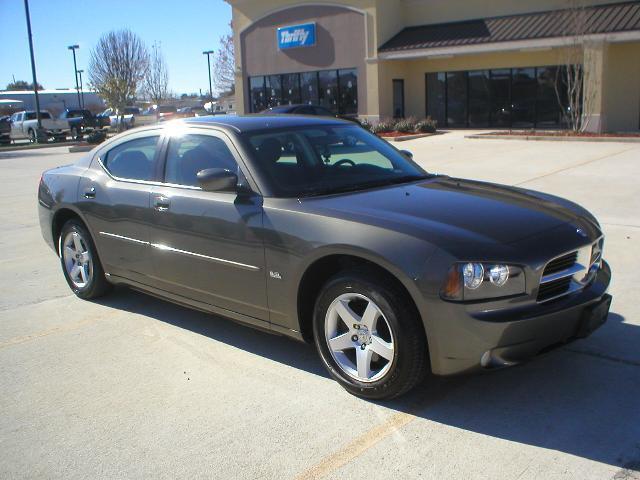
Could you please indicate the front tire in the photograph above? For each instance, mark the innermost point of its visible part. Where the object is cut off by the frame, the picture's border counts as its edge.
(369, 336)
(80, 263)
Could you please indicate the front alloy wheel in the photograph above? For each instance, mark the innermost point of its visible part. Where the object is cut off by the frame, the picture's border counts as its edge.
(369, 335)
(359, 337)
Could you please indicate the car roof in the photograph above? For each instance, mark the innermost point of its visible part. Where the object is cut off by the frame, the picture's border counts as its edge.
(248, 123)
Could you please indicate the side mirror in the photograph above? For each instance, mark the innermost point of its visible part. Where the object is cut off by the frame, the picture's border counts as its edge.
(217, 180)
(407, 153)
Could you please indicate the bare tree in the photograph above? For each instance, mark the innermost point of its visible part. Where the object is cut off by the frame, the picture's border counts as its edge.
(224, 66)
(117, 67)
(575, 100)
(156, 83)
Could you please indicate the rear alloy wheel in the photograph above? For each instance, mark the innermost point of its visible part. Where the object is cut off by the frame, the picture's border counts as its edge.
(369, 336)
(80, 263)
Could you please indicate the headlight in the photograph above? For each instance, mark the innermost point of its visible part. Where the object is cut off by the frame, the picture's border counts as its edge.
(479, 281)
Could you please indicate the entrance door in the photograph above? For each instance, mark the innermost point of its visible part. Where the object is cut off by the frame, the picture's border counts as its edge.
(398, 98)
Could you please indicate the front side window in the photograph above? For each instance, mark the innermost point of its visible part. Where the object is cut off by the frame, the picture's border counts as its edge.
(188, 154)
(133, 160)
(299, 162)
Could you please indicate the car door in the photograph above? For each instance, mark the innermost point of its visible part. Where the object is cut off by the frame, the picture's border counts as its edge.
(16, 125)
(114, 197)
(208, 245)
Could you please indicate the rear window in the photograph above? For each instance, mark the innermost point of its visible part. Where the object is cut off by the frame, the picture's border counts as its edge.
(33, 116)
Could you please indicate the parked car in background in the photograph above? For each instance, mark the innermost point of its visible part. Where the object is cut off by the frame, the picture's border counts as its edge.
(307, 109)
(284, 223)
(80, 122)
(166, 112)
(196, 111)
(5, 130)
(115, 120)
(25, 124)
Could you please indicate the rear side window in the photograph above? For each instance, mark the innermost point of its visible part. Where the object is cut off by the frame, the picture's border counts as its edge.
(133, 160)
(188, 154)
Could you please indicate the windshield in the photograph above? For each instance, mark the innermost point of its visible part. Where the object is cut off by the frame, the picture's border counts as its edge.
(319, 160)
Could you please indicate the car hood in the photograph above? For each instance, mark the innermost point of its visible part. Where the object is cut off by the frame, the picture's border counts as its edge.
(455, 210)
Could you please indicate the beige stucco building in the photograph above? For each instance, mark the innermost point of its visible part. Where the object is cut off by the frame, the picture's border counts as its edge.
(467, 63)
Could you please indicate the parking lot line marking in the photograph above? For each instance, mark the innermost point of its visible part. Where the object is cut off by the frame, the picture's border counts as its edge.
(358, 446)
(34, 336)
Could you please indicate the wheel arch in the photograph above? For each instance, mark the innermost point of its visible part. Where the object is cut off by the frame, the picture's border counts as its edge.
(322, 268)
(61, 216)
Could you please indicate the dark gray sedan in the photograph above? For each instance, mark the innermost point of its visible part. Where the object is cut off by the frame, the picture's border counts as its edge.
(316, 229)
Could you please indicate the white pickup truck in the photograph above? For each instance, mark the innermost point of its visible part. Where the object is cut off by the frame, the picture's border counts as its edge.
(24, 125)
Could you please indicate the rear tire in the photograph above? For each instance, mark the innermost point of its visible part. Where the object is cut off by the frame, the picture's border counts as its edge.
(80, 263)
(369, 335)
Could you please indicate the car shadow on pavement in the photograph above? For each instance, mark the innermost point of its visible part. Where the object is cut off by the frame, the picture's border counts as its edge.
(275, 347)
(568, 400)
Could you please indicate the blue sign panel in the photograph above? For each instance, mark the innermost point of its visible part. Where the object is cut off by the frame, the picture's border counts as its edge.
(297, 36)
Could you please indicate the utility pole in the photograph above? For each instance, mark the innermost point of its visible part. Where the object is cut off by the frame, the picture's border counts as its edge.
(80, 72)
(33, 66)
(208, 53)
(75, 70)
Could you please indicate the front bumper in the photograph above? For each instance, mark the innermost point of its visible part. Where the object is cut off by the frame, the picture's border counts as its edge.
(460, 341)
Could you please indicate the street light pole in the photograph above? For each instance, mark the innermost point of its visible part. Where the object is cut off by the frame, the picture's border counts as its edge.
(33, 66)
(80, 72)
(75, 70)
(208, 53)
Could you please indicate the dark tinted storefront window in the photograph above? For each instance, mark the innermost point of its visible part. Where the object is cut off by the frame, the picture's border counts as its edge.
(348, 80)
(479, 98)
(336, 90)
(290, 89)
(256, 86)
(436, 98)
(328, 89)
(309, 87)
(274, 90)
(500, 104)
(523, 97)
(516, 97)
(457, 99)
(548, 113)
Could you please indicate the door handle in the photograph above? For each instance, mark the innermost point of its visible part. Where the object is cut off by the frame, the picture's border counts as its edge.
(90, 192)
(161, 203)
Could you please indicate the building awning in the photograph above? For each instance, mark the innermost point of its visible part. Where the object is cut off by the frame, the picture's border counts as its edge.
(531, 30)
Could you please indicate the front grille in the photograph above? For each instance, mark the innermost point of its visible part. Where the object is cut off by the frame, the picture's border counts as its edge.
(561, 263)
(570, 272)
(554, 289)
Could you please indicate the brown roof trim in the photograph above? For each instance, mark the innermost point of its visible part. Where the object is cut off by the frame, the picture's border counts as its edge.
(609, 18)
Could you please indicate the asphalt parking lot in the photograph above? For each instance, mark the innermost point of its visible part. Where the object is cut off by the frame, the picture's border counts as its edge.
(133, 387)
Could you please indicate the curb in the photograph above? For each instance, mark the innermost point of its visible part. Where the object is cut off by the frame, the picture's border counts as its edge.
(37, 146)
(402, 138)
(82, 148)
(554, 138)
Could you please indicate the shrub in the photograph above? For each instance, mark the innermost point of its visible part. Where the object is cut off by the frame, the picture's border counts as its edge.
(428, 125)
(367, 125)
(384, 126)
(406, 125)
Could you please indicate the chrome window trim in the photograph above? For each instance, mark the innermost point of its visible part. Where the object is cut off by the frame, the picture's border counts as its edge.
(166, 248)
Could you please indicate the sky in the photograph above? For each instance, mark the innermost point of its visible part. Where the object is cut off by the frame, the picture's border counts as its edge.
(184, 30)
